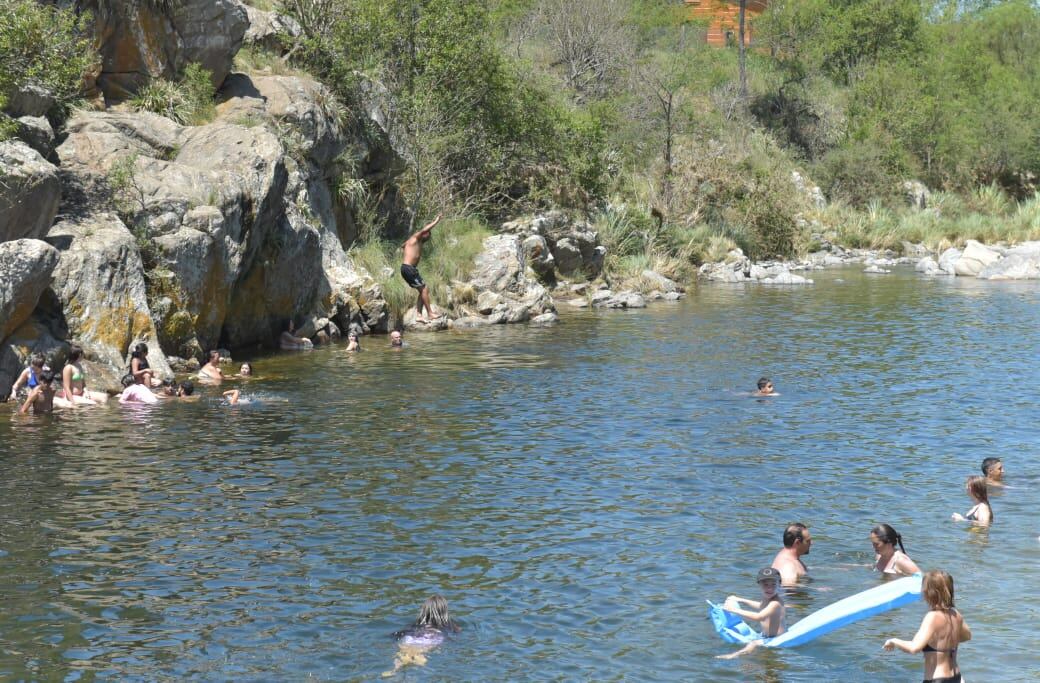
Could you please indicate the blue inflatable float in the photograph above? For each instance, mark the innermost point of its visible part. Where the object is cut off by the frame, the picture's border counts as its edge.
(853, 608)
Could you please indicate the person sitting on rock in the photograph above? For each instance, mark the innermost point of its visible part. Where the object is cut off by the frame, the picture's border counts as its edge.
(29, 377)
(288, 341)
(41, 398)
(139, 367)
(410, 271)
(765, 388)
(74, 390)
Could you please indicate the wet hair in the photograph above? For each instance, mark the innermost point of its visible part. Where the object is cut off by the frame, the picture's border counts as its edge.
(988, 464)
(793, 532)
(140, 350)
(937, 589)
(75, 353)
(246, 365)
(127, 380)
(887, 534)
(187, 387)
(434, 613)
(37, 360)
(46, 376)
(977, 488)
(210, 356)
(763, 382)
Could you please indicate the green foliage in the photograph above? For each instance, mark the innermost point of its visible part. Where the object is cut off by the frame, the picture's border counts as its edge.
(43, 46)
(188, 101)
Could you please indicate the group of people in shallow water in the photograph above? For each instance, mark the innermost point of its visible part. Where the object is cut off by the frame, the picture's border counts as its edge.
(942, 629)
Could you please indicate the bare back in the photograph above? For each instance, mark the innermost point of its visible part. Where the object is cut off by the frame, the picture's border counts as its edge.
(791, 568)
(940, 654)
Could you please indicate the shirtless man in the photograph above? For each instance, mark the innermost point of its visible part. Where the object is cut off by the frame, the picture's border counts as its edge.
(797, 542)
(993, 468)
(410, 273)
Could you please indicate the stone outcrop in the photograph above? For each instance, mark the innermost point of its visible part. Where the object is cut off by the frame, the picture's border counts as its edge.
(974, 258)
(25, 273)
(99, 284)
(916, 194)
(738, 268)
(573, 244)
(141, 40)
(1019, 263)
(270, 30)
(29, 192)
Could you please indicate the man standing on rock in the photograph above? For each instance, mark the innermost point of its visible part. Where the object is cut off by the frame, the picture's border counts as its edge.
(410, 273)
(797, 542)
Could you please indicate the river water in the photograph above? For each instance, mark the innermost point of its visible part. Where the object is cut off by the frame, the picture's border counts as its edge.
(576, 493)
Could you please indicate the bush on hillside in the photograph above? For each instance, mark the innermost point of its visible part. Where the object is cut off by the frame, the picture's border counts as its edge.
(188, 101)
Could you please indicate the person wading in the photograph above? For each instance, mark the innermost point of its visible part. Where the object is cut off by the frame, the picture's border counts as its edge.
(410, 272)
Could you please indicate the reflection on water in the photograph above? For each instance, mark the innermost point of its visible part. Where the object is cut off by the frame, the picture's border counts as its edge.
(575, 493)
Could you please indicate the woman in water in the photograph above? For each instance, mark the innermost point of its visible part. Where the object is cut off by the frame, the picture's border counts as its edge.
(139, 365)
(941, 631)
(888, 560)
(211, 370)
(29, 377)
(246, 370)
(982, 513)
(426, 633)
(74, 382)
(769, 611)
(352, 342)
(993, 470)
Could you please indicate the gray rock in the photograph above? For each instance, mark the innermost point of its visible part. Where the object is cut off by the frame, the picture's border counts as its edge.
(787, 278)
(99, 282)
(574, 245)
(139, 41)
(30, 100)
(620, 300)
(25, 272)
(545, 318)
(660, 282)
(36, 132)
(539, 258)
(673, 296)
(974, 259)
(487, 301)
(29, 192)
(947, 259)
(876, 269)
(1019, 263)
(436, 325)
(916, 194)
(270, 30)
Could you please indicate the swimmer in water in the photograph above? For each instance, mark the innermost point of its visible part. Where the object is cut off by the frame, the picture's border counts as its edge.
(41, 398)
(211, 372)
(993, 470)
(232, 396)
(246, 370)
(186, 391)
(797, 542)
(29, 377)
(765, 388)
(352, 342)
(888, 560)
(395, 339)
(769, 611)
(982, 513)
(426, 633)
(942, 630)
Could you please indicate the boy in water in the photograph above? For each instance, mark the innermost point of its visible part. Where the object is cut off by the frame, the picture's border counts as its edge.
(770, 610)
(41, 398)
(765, 388)
(410, 272)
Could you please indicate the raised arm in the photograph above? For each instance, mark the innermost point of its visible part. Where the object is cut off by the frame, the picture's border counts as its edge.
(232, 396)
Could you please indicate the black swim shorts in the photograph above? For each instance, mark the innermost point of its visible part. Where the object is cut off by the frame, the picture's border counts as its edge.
(411, 276)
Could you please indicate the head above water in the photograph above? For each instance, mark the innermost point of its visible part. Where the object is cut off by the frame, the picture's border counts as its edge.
(395, 338)
(765, 384)
(127, 380)
(976, 487)
(993, 468)
(213, 357)
(797, 536)
(46, 376)
(937, 589)
(246, 370)
(187, 388)
(434, 612)
(883, 534)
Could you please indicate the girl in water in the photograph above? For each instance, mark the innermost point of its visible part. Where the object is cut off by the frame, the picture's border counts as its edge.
(982, 513)
(211, 370)
(769, 611)
(352, 342)
(74, 382)
(941, 631)
(29, 377)
(426, 633)
(888, 560)
(139, 367)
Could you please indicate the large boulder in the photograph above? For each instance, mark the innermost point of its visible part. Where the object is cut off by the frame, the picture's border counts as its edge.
(25, 273)
(100, 286)
(916, 194)
(270, 30)
(504, 289)
(29, 192)
(574, 244)
(974, 258)
(140, 40)
(1019, 263)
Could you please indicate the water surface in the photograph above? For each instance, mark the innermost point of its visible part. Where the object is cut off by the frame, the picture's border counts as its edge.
(574, 492)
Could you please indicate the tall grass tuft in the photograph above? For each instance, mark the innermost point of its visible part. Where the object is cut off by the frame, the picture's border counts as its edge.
(188, 101)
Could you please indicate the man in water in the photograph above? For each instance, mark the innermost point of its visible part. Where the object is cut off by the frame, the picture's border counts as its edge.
(395, 338)
(765, 388)
(797, 542)
(993, 468)
(410, 273)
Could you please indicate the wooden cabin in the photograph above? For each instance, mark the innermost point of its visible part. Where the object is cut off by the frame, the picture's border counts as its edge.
(723, 19)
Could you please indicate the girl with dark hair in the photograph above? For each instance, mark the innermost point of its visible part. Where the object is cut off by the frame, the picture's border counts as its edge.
(982, 513)
(74, 383)
(29, 377)
(211, 370)
(888, 560)
(139, 367)
(425, 633)
(941, 631)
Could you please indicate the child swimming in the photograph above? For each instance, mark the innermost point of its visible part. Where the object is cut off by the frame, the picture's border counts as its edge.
(41, 398)
(771, 610)
(426, 633)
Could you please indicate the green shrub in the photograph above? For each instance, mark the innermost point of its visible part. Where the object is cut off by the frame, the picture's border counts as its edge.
(188, 101)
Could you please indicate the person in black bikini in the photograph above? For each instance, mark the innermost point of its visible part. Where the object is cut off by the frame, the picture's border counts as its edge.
(410, 271)
(943, 625)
